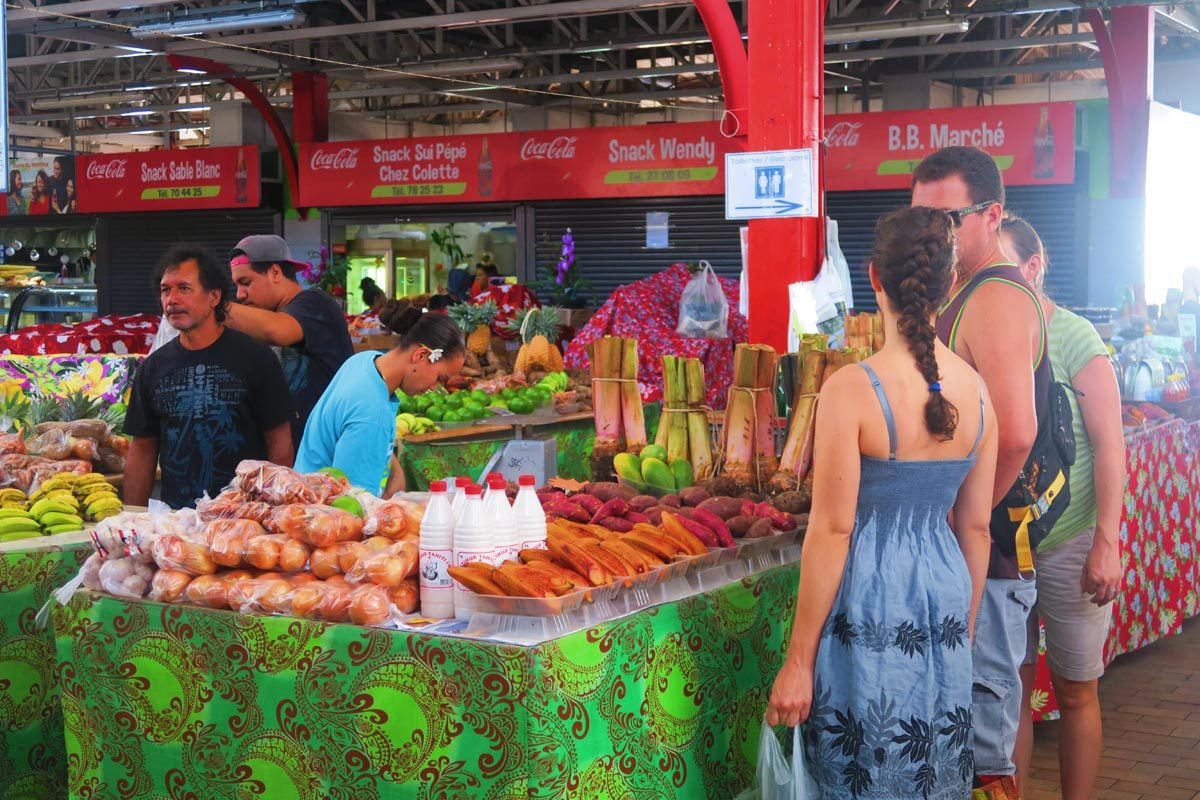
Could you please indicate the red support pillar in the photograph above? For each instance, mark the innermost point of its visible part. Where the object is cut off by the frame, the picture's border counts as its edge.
(1127, 50)
(310, 107)
(786, 112)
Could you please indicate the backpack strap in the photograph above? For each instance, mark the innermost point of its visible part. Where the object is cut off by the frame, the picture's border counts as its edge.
(1015, 285)
(1024, 516)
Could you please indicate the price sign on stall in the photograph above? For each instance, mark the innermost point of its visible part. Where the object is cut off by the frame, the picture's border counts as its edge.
(770, 184)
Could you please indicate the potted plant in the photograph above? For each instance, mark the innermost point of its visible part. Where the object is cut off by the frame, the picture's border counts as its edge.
(562, 284)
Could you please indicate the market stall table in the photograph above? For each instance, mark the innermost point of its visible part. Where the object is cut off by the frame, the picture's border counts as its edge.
(172, 701)
(33, 759)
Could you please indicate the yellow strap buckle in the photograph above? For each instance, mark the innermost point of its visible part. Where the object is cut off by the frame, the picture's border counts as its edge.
(1024, 516)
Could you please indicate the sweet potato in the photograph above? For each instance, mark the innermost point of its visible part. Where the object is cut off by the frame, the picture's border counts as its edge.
(578, 558)
(654, 515)
(748, 507)
(567, 509)
(653, 541)
(635, 517)
(532, 554)
(780, 520)
(643, 502)
(606, 491)
(694, 495)
(617, 524)
(689, 533)
(739, 526)
(612, 563)
(715, 524)
(724, 507)
(592, 504)
(613, 508)
(670, 501)
(761, 529)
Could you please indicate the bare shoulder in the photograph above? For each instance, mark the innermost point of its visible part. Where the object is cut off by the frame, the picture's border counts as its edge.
(999, 305)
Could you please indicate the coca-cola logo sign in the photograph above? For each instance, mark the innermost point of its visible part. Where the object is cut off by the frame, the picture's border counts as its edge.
(344, 158)
(557, 149)
(112, 170)
(843, 134)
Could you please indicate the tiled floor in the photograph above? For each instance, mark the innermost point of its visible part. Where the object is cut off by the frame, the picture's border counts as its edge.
(1151, 702)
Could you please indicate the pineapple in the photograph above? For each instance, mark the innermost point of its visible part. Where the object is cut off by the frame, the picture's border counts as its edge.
(77, 405)
(476, 321)
(539, 336)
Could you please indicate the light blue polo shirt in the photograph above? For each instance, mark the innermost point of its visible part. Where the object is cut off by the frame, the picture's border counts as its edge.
(353, 426)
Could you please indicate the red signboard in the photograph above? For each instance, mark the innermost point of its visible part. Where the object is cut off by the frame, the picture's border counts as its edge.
(170, 180)
(642, 161)
(1032, 144)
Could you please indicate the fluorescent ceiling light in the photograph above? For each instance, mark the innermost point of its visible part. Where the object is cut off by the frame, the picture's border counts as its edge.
(141, 112)
(74, 101)
(870, 32)
(194, 26)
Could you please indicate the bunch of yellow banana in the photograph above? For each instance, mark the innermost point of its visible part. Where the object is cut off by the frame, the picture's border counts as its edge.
(12, 497)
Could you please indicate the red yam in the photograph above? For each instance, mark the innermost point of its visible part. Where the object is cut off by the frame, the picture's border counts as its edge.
(643, 502)
(617, 524)
(694, 495)
(724, 507)
(715, 524)
(780, 520)
(613, 508)
(568, 510)
(606, 491)
(761, 529)
(739, 526)
(670, 501)
(592, 504)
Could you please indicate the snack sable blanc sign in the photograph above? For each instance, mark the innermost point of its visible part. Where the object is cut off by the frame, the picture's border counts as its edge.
(1032, 143)
(170, 180)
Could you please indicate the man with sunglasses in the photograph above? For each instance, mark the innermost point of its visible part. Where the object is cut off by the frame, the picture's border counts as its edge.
(992, 321)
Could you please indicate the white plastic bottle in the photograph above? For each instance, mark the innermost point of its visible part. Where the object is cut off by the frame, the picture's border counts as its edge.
(531, 519)
(460, 495)
(437, 553)
(472, 542)
(499, 514)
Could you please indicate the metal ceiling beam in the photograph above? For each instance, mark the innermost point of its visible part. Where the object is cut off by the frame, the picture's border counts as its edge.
(18, 15)
(977, 46)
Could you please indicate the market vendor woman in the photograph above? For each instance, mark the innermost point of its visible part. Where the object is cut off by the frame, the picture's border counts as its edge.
(353, 426)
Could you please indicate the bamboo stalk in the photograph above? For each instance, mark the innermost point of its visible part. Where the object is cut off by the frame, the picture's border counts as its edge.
(699, 437)
(799, 437)
(738, 435)
(605, 360)
(764, 399)
(633, 417)
(677, 442)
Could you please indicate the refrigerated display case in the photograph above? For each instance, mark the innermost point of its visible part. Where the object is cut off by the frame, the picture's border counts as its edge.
(36, 305)
(396, 265)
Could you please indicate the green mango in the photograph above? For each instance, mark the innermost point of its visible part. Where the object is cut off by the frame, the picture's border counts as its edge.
(656, 473)
(654, 451)
(628, 466)
(681, 468)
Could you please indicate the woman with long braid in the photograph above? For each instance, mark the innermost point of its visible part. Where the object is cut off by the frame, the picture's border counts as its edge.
(879, 664)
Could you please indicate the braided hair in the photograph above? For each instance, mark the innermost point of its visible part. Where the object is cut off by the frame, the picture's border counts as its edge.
(914, 259)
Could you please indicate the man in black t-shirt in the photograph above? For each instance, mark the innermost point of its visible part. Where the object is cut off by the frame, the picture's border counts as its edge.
(306, 325)
(207, 400)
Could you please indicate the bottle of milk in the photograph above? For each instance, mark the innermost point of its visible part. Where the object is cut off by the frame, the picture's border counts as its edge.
(437, 553)
(472, 542)
(499, 514)
(531, 519)
(460, 495)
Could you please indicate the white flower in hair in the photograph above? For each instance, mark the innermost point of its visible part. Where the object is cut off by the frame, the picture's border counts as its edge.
(435, 354)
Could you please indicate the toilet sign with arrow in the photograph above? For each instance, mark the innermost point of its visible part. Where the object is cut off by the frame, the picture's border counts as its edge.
(770, 184)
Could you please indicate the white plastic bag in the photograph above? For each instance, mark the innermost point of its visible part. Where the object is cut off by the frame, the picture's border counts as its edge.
(775, 778)
(703, 308)
(166, 333)
(836, 260)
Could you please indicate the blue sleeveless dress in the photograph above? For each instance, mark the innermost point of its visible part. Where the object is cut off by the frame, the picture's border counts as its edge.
(891, 713)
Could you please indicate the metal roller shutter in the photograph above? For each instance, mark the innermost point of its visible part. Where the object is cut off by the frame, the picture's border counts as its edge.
(610, 237)
(131, 245)
(1054, 211)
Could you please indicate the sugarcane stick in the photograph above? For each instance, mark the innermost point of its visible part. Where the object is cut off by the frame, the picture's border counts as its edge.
(632, 415)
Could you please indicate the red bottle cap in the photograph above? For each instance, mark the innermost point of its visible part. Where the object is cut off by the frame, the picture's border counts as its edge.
(462, 482)
(491, 475)
(496, 481)
(527, 480)
(474, 490)
(437, 486)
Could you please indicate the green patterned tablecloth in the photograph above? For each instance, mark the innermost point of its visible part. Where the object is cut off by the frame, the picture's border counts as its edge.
(33, 761)
(181, 702)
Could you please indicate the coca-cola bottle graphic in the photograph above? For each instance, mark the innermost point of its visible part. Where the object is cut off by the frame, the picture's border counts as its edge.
(1043, 146)
(240, 180)
(485, 169)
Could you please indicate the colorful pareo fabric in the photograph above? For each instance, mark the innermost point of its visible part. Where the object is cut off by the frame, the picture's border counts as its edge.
(105, 378)
(648, 310)
(118, 335)
(33, 758)
(190, 703)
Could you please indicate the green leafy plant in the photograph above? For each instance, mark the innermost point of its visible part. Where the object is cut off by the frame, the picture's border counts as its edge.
(447, 240)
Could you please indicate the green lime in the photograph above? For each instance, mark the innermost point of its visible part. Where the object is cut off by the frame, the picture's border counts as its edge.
(520, 405)
(348, 504)
(423, 401)
(436, 413)
(499, 402)
(507, 393)
(480, 396)
(454, 401)
(334, 471)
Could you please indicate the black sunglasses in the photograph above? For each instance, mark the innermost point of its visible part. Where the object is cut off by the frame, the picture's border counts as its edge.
(957, 214)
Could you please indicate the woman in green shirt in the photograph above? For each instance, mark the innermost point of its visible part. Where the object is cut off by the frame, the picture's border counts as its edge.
(1079, 563)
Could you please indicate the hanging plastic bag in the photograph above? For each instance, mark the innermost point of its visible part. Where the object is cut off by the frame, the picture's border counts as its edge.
(703, 308)
(775, 778)
(836, 259)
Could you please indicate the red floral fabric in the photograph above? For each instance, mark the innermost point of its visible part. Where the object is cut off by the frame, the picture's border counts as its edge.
(131, 335)
(510, 298)
(648, 311)
(1159, 540)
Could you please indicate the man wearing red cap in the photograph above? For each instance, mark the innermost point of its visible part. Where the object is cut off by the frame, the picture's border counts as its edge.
(305, 325)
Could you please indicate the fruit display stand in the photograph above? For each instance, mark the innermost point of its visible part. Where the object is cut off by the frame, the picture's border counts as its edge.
(33, 762)
(1160, 546)
(463, 450)
(664, 702)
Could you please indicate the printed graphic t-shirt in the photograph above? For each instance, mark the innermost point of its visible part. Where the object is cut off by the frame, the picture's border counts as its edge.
(310, 364)
(209, 410)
